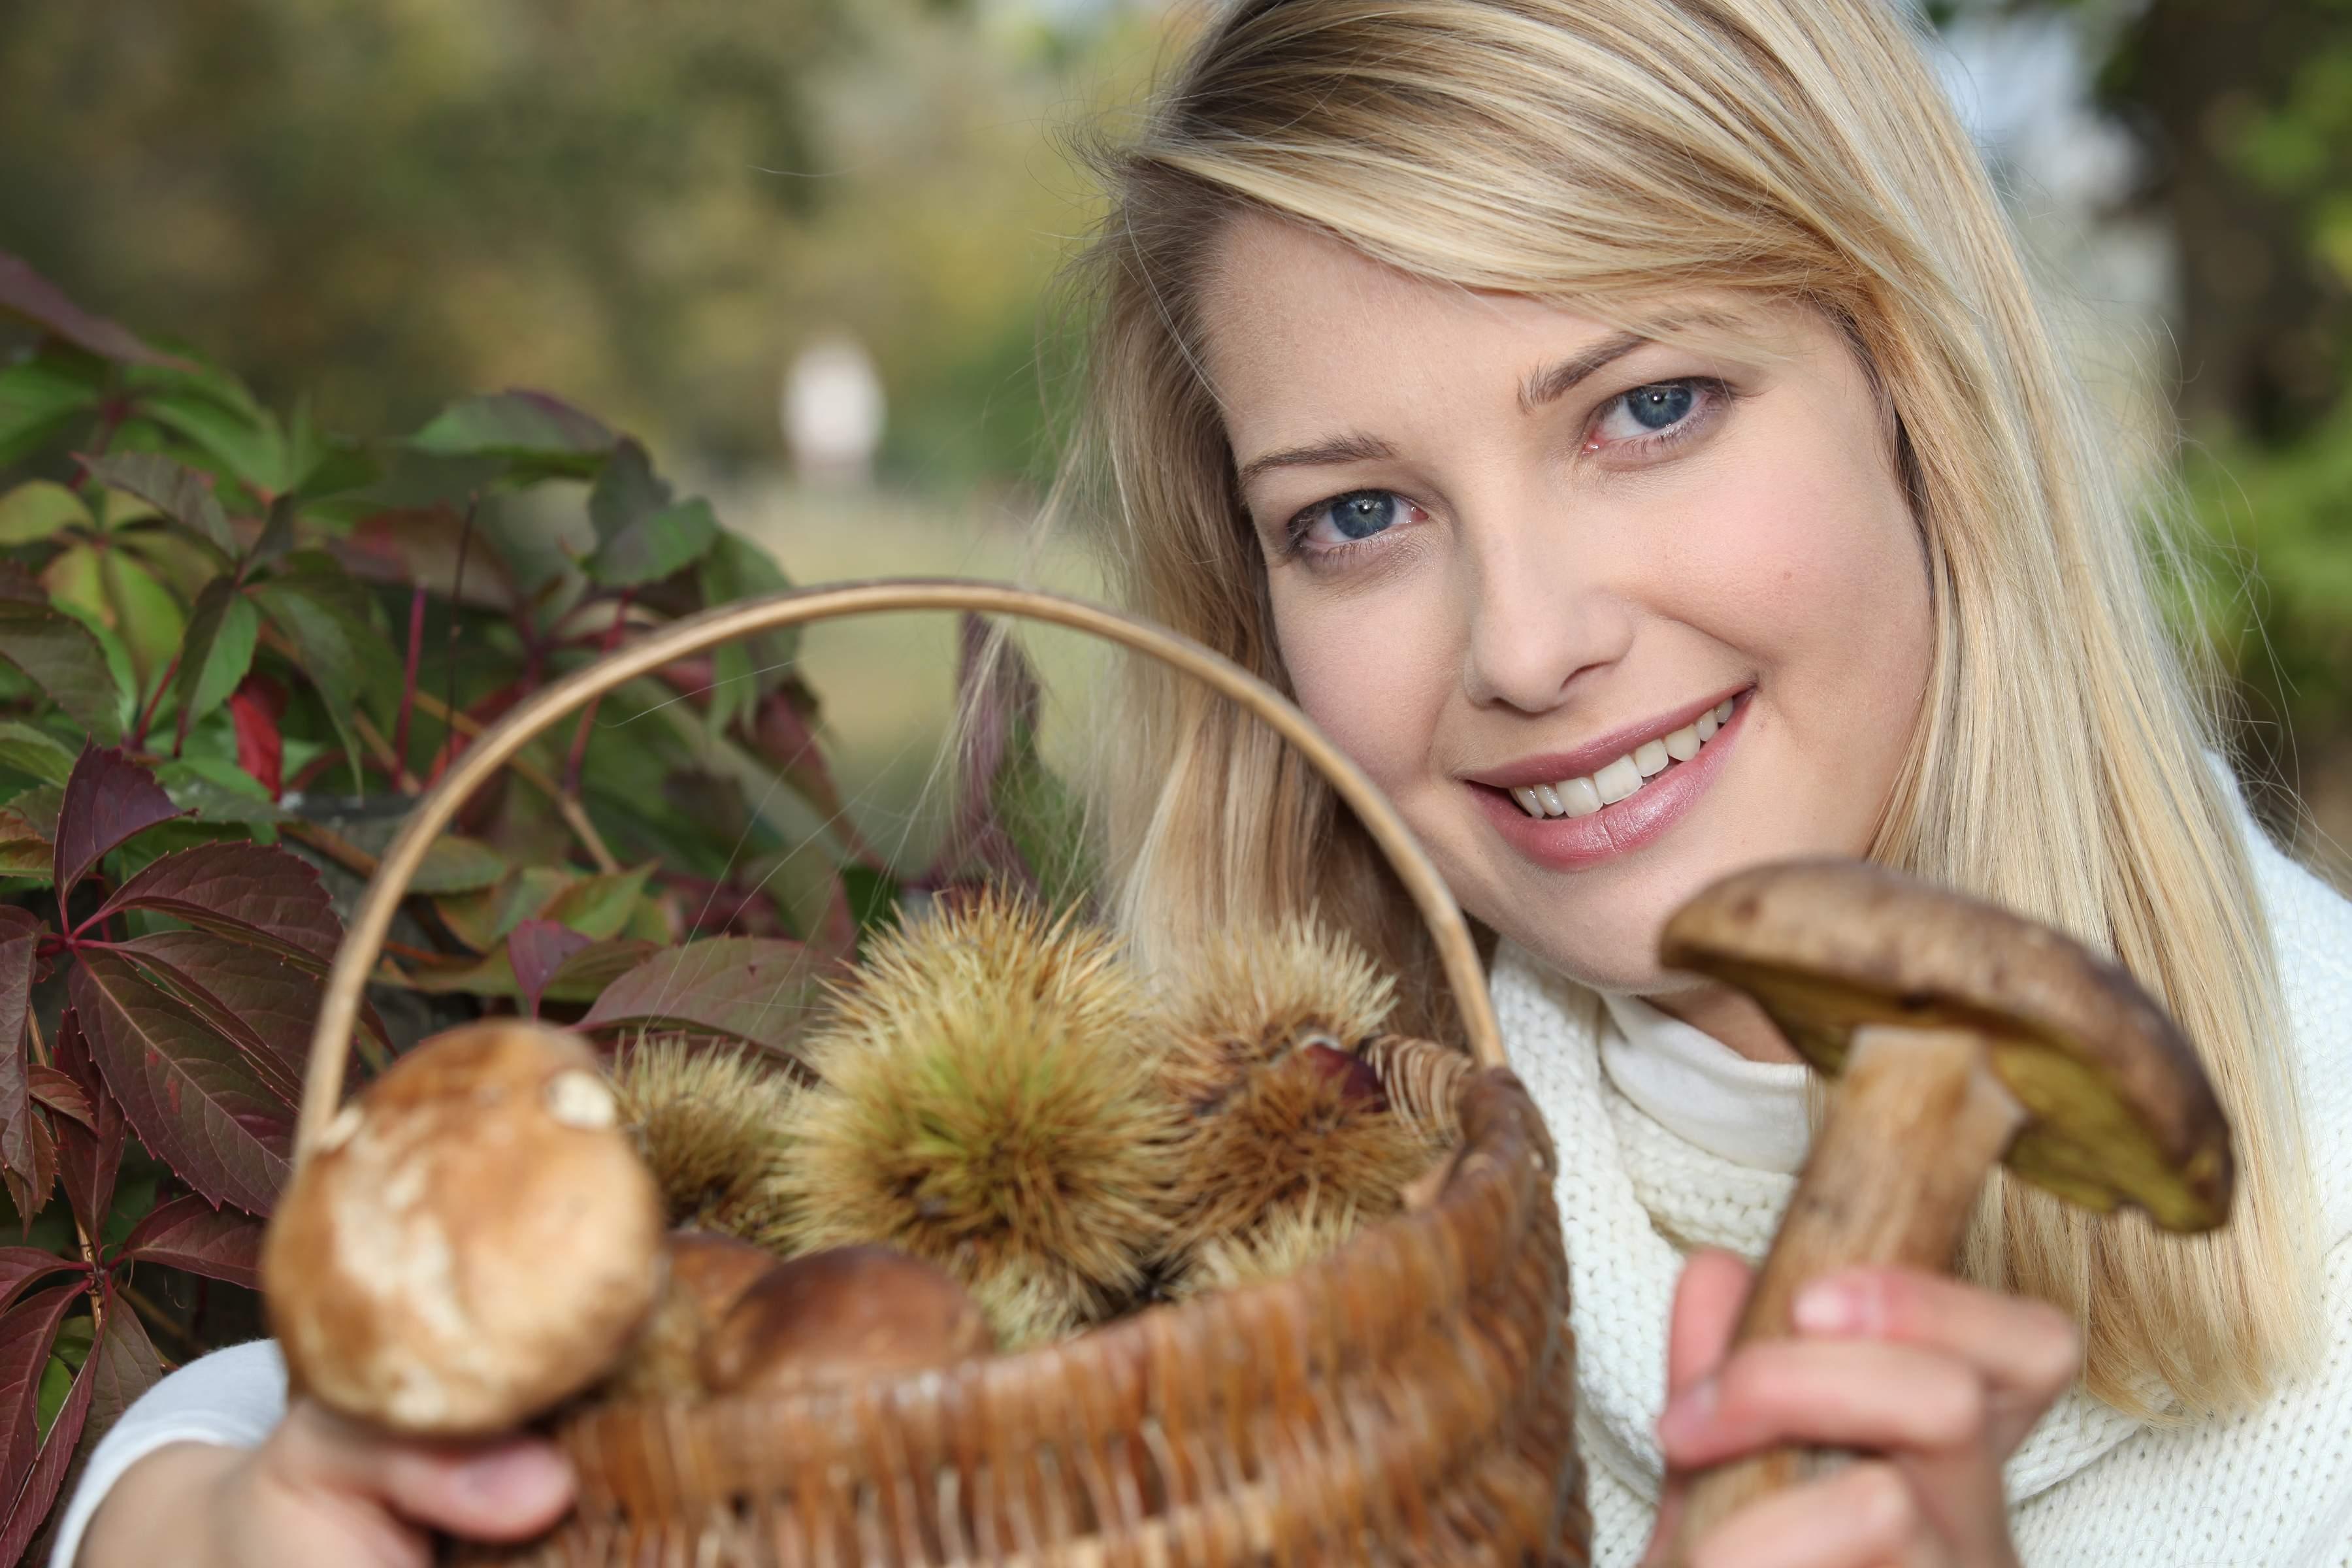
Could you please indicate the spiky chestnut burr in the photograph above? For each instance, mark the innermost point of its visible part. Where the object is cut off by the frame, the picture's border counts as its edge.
(989, 1099)
(1289, 1124)
(1276, 1249)
(708, 1122)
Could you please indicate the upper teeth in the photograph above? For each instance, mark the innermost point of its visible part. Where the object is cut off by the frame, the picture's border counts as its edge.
(1583, 796)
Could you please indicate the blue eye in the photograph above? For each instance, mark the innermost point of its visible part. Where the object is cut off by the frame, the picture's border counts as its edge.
(1656, 407)
(1359, 514)
(1664, 409)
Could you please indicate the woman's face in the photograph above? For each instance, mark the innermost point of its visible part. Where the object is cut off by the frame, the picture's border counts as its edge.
(1520, 563)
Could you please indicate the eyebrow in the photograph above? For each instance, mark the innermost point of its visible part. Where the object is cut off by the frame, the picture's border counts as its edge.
(1556, 380)
(1315, 454)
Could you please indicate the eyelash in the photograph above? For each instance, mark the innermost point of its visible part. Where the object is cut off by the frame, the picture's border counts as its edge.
(1719, 394)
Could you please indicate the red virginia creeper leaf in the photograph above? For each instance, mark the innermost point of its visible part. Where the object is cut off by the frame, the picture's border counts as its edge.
(29, 1190)
(19, 936)
(253, 892)
(20, 1266)
(537, 949)
(127, 1366)
(189, 1233)
(108, 798)
(89, 1155)
(264, 1002)
(59, 1093)
(254, 709)
(187, 1090)
(27, 1331)
(753, 988)
(122, 1366)
(24, 293)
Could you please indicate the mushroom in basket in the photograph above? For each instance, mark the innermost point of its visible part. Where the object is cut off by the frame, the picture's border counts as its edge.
(1961, 1036)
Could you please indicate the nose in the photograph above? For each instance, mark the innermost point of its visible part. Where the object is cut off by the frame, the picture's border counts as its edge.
(1536, 618)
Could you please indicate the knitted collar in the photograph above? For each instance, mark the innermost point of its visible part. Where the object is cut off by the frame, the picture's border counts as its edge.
(1629, 1192)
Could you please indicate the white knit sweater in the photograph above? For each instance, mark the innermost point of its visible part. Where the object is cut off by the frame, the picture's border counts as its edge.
(2089, 1488)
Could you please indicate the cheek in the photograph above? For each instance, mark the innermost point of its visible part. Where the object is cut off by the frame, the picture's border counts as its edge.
(1370, 671)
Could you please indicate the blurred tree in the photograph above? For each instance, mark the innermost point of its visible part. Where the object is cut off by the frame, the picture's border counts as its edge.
(383, 201)
(2247, 105)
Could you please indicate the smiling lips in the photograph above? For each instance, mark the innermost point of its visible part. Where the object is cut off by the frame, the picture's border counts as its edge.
(1622, 778)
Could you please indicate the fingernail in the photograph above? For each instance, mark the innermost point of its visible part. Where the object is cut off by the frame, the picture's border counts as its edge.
(524, 1476)
(1823, 1308)
(1687, 1412)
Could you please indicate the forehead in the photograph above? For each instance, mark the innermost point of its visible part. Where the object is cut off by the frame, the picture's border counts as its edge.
(1280, 302)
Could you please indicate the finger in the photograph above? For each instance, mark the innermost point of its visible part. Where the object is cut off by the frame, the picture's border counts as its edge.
(1708, 1299)
(498, 1489)
(1853, 1394)
(2014, 1341)
(2028, 1352)
(1861, 1517)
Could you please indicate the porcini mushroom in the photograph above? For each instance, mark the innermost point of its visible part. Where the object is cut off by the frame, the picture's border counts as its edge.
(1960, 1036)
(706, 1275)
(473, 1240)
(841, 1314)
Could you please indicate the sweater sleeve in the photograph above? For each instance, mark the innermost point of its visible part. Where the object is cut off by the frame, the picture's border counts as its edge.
(233, 1397)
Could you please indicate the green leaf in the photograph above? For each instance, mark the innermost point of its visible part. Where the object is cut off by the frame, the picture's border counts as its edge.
(748, 669)
(58, 653)
(38, 509)
(176, 491)
(112, 584)
(530, 429)
(119, 671)
(599, 905)
(626, 493)
(216, 790)
(321, 613)
(656, 547)
(34, 752)
(453, 864)
(43, 403)
(251, 446)
(218, 649)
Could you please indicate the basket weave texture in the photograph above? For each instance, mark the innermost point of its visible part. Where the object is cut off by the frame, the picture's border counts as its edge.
(1407, 1400)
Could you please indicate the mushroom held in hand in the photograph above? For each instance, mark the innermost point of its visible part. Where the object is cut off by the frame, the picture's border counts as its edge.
(1963, 1036)
(473, 1240)
(845, 1313)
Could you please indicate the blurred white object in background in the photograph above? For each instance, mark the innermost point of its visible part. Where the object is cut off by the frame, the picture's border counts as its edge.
(833, 411)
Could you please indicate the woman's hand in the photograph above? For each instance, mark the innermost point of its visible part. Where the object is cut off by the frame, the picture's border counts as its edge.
(323, 1489)
(1936, 1381)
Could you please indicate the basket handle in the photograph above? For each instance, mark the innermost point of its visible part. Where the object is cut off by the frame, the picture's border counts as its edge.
(371, 921)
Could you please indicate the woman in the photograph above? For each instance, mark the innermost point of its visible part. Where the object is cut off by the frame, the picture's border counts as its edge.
(1626, 428)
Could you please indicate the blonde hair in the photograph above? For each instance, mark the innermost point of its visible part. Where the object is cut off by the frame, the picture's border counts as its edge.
(1775, 150)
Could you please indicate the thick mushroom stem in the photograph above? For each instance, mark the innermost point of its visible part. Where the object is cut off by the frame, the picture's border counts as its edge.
(1914, 1125)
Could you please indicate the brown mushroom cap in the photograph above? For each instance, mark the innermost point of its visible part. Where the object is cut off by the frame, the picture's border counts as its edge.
(839, 1315)
(473, 1240)
(2118, 1108)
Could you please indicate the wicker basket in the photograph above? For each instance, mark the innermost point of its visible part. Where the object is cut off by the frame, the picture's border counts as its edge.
(1409, 1399)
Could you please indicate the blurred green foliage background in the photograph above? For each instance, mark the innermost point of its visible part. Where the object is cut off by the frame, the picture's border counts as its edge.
(649, 208)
